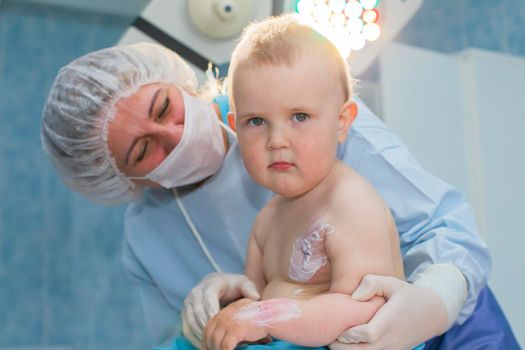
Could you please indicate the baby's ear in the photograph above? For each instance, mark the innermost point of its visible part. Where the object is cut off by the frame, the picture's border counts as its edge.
(231, 120)
(347, 116)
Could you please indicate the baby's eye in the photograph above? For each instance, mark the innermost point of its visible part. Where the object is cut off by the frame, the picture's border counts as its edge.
(300, 117)
(257, 121)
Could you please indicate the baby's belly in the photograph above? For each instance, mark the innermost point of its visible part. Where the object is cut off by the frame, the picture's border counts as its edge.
(279, 288)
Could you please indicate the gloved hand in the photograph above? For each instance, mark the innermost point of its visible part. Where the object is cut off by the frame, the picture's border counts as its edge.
(205, 300)
(412, 314)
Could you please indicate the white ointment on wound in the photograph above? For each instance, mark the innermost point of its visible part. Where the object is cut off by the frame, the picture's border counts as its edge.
(309, 253)
(268, 312)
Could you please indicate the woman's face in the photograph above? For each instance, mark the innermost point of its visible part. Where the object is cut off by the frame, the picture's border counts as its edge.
(146, 128)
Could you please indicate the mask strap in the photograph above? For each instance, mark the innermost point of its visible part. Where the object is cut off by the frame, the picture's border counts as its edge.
(194, 231)
(229, 130)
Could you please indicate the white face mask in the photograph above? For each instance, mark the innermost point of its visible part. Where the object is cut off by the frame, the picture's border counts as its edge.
(200, 152)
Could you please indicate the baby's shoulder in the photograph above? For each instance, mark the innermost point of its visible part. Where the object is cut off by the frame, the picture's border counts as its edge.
(354, 193)
(350, 182)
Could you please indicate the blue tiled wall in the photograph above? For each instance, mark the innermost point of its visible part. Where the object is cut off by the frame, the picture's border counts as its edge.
(61, 282)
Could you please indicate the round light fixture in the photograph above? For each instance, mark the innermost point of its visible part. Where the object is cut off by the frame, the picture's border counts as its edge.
(220, 19)
(348, 23)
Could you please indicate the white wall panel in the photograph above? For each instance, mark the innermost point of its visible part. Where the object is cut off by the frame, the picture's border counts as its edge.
(422, 103)
(463, 117)
(496, 99)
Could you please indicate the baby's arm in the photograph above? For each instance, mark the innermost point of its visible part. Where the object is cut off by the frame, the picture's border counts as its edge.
(360, 244)
(224, 331)
(253, 267)
(315, 322)
(365, 241)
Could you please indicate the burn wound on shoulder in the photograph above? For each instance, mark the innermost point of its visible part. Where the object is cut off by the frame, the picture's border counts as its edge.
(267, 313)
(309, 253)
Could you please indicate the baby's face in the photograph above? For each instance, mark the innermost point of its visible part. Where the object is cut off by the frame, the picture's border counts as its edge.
(288, 122)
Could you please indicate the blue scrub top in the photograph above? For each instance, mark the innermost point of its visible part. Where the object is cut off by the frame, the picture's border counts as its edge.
(165, 261)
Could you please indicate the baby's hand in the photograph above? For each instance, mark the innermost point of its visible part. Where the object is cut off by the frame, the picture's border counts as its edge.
(225, 330)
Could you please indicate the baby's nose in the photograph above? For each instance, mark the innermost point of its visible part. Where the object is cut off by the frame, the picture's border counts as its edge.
(277, 138)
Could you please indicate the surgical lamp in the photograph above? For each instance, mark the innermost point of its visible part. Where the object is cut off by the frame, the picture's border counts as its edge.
(204, 31)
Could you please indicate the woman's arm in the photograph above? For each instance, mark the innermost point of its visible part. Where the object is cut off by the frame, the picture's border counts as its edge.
(435, 223)
(162, 318)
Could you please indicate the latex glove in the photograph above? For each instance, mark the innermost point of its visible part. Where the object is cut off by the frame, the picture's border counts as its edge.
(412, 314)
(205, 300)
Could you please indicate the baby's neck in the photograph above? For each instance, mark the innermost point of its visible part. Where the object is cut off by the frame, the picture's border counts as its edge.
(318, 193)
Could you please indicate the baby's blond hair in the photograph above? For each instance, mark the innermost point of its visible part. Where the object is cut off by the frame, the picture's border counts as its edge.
(281, 40)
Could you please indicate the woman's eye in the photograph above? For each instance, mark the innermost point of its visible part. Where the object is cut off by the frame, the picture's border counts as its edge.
(256, 121)
(300, 117)
(163, 110)
(143, 150)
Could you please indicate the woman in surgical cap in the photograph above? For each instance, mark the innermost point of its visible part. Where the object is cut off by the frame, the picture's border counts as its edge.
(126, 125)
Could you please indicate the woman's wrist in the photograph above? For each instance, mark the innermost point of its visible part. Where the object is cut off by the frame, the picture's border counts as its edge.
(449, 283)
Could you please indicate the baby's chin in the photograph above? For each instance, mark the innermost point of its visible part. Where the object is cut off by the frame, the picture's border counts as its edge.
(288, 191)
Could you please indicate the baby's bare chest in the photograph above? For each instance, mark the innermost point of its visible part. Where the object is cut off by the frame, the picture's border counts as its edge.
(295, 251)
